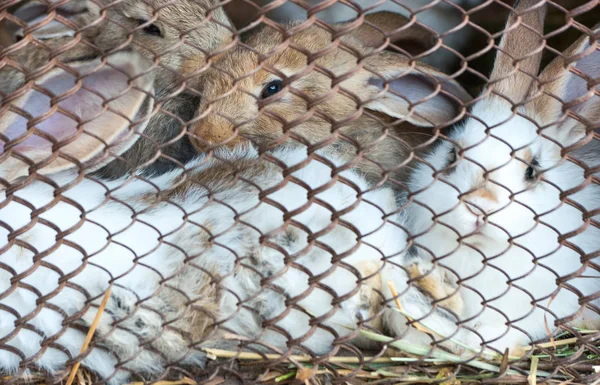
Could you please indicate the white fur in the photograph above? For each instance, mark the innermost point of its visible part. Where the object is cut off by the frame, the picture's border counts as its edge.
(533, 301)
(170, 240)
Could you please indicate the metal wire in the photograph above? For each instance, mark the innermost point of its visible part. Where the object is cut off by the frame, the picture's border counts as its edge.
(279, 190)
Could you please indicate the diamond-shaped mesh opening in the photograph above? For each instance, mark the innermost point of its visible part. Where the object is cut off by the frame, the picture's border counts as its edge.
(259, 191)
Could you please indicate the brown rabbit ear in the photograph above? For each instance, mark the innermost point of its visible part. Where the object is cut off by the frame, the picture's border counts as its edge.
(30, 11)
(379, 26)
(520, 51)
(41, 129)
(421, 95)
(35, 13)
(569, 87)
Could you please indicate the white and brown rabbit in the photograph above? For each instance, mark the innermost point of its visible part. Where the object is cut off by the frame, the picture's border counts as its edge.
(376, 111)
(286, 251)
(504, 202)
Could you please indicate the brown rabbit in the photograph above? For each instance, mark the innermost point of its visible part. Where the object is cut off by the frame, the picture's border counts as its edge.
(171, 33)
(310, 89)
(168, 34)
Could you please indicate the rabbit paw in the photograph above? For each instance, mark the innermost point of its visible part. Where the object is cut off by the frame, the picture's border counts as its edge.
(438, 284)
(367, 303)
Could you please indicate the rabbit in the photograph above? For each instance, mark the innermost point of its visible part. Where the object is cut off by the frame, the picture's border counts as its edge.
(286, 100)
(228, 251)
(166, 130)
(446, 19)
(158, 28)
(204, 26)
(487, 202)
(79, 12)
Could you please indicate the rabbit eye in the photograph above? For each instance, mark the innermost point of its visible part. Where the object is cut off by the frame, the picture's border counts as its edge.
(530, 171)
(150, 29)
(452, 159)
(271, 89)
(452, 156)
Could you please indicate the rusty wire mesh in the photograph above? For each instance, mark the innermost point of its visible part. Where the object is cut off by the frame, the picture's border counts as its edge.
(321, 191)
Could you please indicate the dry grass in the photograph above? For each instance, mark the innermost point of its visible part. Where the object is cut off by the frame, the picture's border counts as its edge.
(559, 361)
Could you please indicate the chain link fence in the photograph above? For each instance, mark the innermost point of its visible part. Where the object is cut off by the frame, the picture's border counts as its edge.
(294, 191)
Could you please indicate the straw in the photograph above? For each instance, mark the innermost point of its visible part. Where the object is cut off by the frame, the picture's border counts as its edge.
(90, 334)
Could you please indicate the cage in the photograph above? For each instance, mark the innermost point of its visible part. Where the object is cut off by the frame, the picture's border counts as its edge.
(287, 191)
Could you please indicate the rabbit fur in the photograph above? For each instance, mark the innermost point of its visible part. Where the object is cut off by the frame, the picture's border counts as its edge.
(108, 33)
(310, 110)
(487, 204)
(178, 62)
(226, 245)
(165, 145)
(443, 19)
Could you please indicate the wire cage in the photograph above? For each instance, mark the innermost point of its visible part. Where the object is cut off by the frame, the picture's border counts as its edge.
(288, 191)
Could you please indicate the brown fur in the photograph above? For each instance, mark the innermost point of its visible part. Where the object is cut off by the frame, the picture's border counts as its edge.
(186, 35)
(370, 298)
(315, 112)
(520, 53)
(199, 309)
(372, 286)
(546, 103)
(438, 287)
(89, 148)
(183, 20)
(527, 157)
(412, 38)
(220, 177)
(483, 193)
(406, 36)
(189, 309)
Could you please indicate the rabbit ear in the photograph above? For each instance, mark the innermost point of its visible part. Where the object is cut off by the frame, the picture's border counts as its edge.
(421, 95)
(51, 30)
(42, 129)
(378, 26)
(569, 88)
(35, 13)
(520, 51)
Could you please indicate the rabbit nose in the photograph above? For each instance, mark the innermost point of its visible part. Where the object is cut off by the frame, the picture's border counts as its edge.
(483, 198)
(214, 131)
(480, 203)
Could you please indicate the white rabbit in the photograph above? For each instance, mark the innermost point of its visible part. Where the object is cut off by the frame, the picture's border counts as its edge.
(488, 202)
(231, 244)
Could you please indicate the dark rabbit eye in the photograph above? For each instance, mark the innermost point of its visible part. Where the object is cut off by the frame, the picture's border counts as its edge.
(530, 171)
(452, 156)
(150, 29)
(271, 89)
(452, 159)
